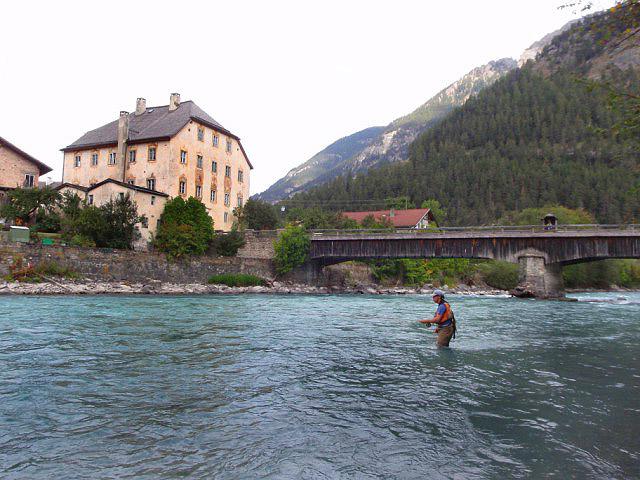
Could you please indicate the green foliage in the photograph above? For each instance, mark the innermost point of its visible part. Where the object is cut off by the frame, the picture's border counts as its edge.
(602, 274)
(399, 203)
(228, 244)
(22, 203)
(372, 223)
(291, 248)
(533, 216)
(417, 272)
(237, 280)
(317, 218)
(257, 215)
(502, 275)
(185, 228)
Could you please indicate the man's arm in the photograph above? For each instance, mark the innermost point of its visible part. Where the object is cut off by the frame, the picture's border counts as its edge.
(435, 319)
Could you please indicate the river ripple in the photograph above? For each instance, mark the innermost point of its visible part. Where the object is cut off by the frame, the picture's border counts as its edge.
(317, 387)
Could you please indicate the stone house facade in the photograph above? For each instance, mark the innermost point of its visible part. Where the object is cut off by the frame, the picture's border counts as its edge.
(163, 152)
(18, 168)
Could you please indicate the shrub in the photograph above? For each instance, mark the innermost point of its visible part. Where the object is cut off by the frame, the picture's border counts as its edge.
(22, 202)
(237, 280)
(502, 275)
(185, 228)
(291, 248)
(228, 244)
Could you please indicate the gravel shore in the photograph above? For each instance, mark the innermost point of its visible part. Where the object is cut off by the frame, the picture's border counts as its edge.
(65, 287)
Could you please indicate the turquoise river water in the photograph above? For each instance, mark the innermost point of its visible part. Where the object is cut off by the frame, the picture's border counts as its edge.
(312, 387)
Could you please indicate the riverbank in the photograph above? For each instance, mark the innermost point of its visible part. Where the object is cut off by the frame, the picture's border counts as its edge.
(68, 287)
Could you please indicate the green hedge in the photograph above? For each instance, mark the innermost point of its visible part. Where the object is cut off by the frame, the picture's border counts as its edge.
(237, 280)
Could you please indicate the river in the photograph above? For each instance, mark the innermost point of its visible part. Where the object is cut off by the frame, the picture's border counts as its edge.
(312, 387)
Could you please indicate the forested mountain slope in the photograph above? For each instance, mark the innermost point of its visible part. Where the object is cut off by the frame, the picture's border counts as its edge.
(376, 146)
(537, 136)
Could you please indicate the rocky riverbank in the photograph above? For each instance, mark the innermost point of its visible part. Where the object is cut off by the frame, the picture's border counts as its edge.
(65, 287)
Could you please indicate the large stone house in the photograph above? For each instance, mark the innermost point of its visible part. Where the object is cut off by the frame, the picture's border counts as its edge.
(157, 153)
(18, 168)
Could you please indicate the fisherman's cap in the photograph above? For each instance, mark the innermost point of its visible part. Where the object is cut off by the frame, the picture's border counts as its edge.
(439, 293)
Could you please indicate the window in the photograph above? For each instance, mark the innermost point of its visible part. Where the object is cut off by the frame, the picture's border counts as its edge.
(152, 154)
(29, 180)
(228, 145)
(216, 140)
(121, 196)
(227, 200)
(227, 171)
(199, 161)
(94, 159)
(240, 176)
(198, 191)
(112, 158)
(240, 200)
(76, 161)
(144, 222)
(132, 156)
(214, 166)
(153, 199)
(226, 217)
(183, 187)
(90, 201)
(151, 184)
(131, 181)
(183, 156)
(201, 134)
(212, 196)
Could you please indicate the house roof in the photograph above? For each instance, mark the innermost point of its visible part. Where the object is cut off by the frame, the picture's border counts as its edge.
(70, 185)
(42, 167)
(156, 123)
(129, 186)
(401, 218)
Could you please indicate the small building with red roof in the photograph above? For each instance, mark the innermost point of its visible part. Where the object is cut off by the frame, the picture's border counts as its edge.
(412, 218)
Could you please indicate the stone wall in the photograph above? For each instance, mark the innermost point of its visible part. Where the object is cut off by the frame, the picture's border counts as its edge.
(259, 244)
(123, 265)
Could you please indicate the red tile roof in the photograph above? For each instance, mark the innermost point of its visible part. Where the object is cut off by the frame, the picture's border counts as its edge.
(400, 219)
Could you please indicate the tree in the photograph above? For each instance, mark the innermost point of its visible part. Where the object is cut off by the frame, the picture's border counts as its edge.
(258, 215)
(24, 203)
(534, 216)
(112, 225)
(291, 248)
(185, 228)
(399, 203)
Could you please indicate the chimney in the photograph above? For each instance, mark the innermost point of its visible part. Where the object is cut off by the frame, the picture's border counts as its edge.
(141, 106)
(123, 137)
(174, 101)
(392, 213)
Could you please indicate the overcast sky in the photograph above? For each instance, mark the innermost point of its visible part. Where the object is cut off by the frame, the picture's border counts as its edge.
(288, 77)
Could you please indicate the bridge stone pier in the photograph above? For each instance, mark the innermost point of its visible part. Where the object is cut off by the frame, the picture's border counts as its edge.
(539, 253)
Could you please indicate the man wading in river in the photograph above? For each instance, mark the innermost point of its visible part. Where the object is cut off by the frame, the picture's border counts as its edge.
(444, 319)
